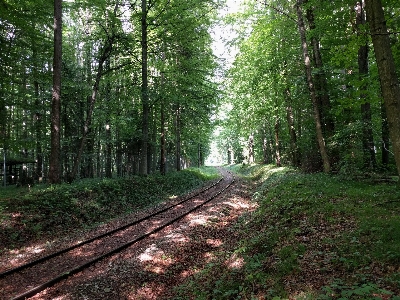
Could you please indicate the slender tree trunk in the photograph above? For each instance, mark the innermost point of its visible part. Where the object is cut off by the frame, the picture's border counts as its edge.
(307, 63)
(385, 137)
(367, 135)
(387, 72)
(99, 169)
(38, 133)
(55, 134)
(177, 139)
(108, 156)
(292, 131)
(265, 144)
(90, 141)
(321, 84)
(163, 157)
(145, 92)
(105, 54)
(231, 158)
(151, 147)
(37, 120)
(277, 144)
(251, 149)
(88, 121)
(198, 155)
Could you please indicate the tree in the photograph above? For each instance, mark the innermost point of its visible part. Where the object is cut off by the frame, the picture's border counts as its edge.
(387, 72)
(311, 87)
(144, 90)
(367, 136)
(54, 170)
(111, 36)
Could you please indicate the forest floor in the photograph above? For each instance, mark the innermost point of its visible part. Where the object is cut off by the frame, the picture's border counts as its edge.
(276, 234)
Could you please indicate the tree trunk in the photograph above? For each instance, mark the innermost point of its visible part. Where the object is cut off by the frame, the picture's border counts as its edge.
(88, 121)
(251, 149)
(118, 153)
(163, 157)
(38, 133)
(108, 165)
(387, 72)
(199, 159)
(145, 93)
(385, 137)
(307, 63)
(177, 139)
(54, 171)
(90, 141)
(321, 84)
(294, 155)
(367, 135)
(277, 144)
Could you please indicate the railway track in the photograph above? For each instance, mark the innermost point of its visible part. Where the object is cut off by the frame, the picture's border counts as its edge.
(59, 265)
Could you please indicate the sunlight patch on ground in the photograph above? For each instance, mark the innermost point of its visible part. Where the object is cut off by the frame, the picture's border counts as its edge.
(157, 261)
(209, 256)
(149, 253)
(214, 242)
(60, 297)
(235, 262)
(176, 237)
(198, 220)
(238, 204)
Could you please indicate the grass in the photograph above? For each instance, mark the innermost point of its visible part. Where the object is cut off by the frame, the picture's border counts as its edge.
(45, 211)
(314, 236)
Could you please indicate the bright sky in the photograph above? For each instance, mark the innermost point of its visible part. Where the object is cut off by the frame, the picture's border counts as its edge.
(222, 34)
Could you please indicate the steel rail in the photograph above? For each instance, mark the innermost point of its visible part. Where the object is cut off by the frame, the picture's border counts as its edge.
(85, 265)
(79, 244)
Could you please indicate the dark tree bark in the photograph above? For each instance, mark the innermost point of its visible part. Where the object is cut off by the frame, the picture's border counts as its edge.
(310, 82)
(55, 134)
(387, 72)
(367, 135)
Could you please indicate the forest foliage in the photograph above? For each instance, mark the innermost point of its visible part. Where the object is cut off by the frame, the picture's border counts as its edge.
(313, 236)
(305, 80)
(45, 212)
(310, 86)
(137, 79)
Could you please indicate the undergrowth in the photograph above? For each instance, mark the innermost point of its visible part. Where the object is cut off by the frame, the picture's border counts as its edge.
(29, 214)
(314, 236)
